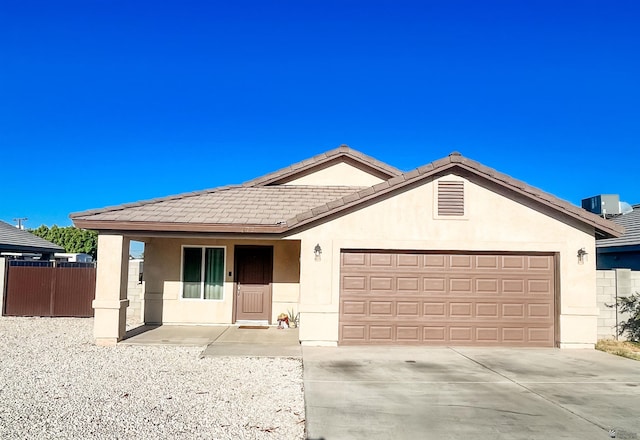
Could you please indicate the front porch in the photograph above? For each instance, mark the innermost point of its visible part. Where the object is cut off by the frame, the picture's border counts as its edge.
(191, 281)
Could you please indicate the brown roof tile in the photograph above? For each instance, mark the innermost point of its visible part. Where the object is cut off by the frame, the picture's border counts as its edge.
(237, 205)
(254, 207)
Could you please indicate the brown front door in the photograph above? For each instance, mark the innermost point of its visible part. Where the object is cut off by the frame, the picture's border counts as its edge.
(254, 267)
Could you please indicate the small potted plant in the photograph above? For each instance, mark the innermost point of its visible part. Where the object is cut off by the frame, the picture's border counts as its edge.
(283, 320)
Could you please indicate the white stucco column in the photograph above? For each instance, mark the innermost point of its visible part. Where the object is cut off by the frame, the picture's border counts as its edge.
(110, 303)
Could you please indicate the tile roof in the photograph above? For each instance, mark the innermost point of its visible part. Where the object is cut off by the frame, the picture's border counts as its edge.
(631, 224)
(383, 170)
(13, 239)
(253, 207)
(234, 205)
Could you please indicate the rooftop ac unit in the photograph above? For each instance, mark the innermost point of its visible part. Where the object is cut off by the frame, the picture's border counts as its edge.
(603, 204)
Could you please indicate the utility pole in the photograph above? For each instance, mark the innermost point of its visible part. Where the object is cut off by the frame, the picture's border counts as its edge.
(20, 221)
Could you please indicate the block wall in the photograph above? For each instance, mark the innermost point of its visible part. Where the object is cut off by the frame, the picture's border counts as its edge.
(610, 285)
(135, 292)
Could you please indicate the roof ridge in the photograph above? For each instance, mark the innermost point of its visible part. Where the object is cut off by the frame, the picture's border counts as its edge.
(342, 150)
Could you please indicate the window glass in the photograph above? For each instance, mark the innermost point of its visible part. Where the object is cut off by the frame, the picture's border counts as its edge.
(213, 273)
(192, 272)
(202, 273)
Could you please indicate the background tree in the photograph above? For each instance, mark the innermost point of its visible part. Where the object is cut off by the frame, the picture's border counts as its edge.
(72, 239)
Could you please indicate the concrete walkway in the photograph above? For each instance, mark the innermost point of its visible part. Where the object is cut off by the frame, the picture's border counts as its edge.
(221, 340)
(445, 393)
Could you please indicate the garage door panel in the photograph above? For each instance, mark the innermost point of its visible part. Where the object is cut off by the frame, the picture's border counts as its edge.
(354, 308)
(460, 285)
(381, 308)
(486, 286)
(487, 262)
(413, 298)
(434, 334)
(354, 283)
(539, 287)
(383, 333)
(513, 334)
(406, 284)
(353, 259)
(460, 262)
(408, 261)
(487, 334)
(460, 310)
(513, 310)
(432, 309)
(539, 263)
(408, 309)
(512, 287)
(539, 311)
(434, 262)
(434, 285)
(353, 332)
(380, 283)
(460, 334)
(539, 334)
(513, 262)
(382, 260)
(487, 310)
(408, 333)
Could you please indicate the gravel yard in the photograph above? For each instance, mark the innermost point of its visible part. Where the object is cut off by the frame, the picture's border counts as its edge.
(54, 383)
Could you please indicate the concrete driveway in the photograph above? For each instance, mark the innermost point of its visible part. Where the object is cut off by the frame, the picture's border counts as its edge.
(469, 393)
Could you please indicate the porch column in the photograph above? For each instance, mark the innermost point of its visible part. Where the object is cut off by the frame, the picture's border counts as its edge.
(110, 303)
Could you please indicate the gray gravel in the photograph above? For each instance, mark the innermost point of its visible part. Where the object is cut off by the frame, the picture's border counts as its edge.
(54, 383)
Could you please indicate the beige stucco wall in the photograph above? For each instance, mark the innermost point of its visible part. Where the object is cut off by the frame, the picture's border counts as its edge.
(340, 173)
(162, 266)
(492, 222)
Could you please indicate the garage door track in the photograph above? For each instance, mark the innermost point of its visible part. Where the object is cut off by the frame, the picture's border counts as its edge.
(469, 393)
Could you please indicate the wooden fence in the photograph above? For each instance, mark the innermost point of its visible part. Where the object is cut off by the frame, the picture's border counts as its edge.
(50, 291)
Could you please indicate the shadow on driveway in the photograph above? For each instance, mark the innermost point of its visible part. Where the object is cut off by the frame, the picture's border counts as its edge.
(459, 393)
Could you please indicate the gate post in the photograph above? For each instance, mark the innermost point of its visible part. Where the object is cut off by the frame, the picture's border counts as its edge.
(110, 303)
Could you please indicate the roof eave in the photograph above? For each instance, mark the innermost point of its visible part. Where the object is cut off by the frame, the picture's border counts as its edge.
(30, 249)
(110, 225)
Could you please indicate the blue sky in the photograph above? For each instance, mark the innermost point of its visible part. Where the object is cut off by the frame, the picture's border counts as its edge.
(104, 102)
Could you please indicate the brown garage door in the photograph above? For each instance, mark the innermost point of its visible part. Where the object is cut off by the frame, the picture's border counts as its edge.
(446, 299)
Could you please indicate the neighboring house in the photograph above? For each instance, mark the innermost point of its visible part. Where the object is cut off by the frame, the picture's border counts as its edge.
(18, 241)
(621, 252)
(451, 253)
(73, 257)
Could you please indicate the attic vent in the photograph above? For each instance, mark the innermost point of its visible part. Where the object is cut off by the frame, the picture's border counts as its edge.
(450, 197)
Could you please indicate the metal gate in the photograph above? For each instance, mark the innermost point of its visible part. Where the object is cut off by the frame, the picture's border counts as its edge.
(66, 290)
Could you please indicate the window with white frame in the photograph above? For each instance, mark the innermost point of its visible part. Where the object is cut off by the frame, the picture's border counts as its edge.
(202, 272)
